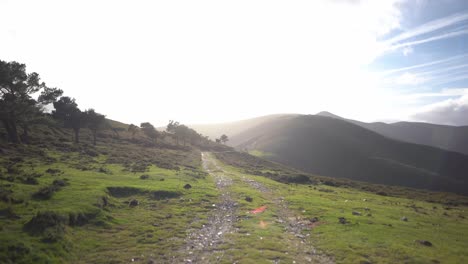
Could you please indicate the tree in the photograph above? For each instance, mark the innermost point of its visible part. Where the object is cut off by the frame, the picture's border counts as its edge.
(150, 131)
(67, 111)
(224, 139)
(95, 122)
(171, 128)
(218, 140)
(16, 104)
(133, 130)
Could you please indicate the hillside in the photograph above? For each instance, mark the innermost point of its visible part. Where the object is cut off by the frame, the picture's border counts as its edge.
(167, 203)
(333, 147)
(451, 138)
(234, 128)
(127, 200)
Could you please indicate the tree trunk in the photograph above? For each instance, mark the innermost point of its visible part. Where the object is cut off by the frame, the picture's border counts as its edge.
(77, 135)
(10, 127)
(25, 136)
(94, 137)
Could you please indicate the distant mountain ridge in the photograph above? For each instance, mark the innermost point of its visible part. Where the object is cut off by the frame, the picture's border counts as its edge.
(328, 145)
(333, 147)
(453, 138)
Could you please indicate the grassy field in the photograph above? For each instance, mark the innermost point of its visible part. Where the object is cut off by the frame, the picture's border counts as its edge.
(375, 231)
(122, 202)
(69, 203)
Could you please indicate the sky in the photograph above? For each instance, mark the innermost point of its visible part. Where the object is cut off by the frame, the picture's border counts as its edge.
(217, 61)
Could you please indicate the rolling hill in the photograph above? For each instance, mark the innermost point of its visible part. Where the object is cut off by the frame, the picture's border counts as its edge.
(234, 128)
(454, 138)
(333, 147)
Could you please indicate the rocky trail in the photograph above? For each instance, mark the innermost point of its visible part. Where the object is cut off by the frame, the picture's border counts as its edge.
(202, 244)
(294, 226)
(208, 244)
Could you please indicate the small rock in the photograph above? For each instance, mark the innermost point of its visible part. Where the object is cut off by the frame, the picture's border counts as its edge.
(187, 186)
(342, 220)
(356, 213)
(314, 219)
(424, 243)
(133, 203)
(249, 199)
(404, 218)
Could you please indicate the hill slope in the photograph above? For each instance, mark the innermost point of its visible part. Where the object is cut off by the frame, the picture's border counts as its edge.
(166, 203)
(333, 147)
(440, 136)
(234, 128)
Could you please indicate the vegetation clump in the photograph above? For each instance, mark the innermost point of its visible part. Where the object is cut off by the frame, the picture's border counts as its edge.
(49, 224)
(162, 194)
(124, 191)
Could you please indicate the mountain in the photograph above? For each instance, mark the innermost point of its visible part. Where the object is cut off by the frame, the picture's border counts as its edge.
(454, 138)
(234, 128)
(334, 147)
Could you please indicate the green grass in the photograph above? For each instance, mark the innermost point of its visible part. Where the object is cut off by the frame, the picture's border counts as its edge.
(155, 229)
(114, 232)
(378, 235)
(261, 154)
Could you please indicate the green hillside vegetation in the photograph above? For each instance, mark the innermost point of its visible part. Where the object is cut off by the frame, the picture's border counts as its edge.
(375, 228)
(120, 200)
(65, 202)
(332, 147)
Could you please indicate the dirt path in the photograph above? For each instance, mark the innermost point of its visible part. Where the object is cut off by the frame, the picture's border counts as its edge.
(294, 225)
(203, 245)
(208, 244)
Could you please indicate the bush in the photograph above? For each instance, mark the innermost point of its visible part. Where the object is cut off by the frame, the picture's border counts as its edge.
(45, 192)
(60, 183)
(124, 191)
(79, 219)
(30, 180)
(53, 171)
(48, 223)
(160, 195)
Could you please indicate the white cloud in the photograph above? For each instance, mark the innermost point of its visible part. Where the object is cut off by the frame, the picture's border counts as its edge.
(409, 79)
(452, 59)
(429, 27)
(408, 50)
(453, 111)
(430, 39)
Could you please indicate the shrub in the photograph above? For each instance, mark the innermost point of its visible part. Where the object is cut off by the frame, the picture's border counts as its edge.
(48, 221)
(60, 183)
(124, 191)
(45, 193)
(29, 180)
(160, 195)
(53, 171)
